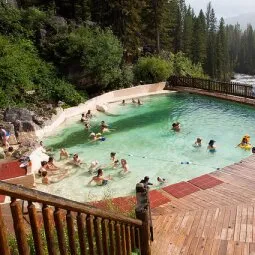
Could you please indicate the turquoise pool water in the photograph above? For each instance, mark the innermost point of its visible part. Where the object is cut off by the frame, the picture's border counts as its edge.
(143, 137)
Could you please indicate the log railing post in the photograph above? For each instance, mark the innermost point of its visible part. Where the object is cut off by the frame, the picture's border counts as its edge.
(35, 228)
(4, 247)
(143, 213)
(19, 227)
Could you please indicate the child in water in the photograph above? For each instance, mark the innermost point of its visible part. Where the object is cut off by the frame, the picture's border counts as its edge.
(161, 180)
(198, 142)
(176, 126)
(211, 147)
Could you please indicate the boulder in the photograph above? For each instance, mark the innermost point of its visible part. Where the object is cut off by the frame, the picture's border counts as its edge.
(28, 126)
(38, 120)
(13, 114)
(102, 108)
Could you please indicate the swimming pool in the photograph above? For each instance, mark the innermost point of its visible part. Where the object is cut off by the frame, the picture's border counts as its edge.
(143, 137)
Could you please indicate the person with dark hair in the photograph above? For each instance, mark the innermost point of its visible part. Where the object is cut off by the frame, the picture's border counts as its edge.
(50, 165)
(99, 179)
(5, 135)
(176, 126)
(42, 168)
(253, 150)
(146, 182)
(89, 114)
(211, 147)
(161, 180)
(83, 118)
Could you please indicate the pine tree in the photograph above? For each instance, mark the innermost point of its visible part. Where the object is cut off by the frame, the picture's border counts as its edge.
(199, 39)
(188, 32)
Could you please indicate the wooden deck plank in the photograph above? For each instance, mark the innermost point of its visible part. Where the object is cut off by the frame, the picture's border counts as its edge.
(243, 224)
(230, 248)
(231, 224)
(223, 247)
(238, 223)
(249, 234)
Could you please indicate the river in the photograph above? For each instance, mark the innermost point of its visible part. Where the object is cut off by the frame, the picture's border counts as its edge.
(244, 79)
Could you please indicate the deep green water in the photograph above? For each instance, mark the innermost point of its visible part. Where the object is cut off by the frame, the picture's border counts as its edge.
(143, 137)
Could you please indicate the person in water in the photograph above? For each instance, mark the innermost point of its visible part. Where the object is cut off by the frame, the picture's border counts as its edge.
(211, 147)
(198, 142)
(123, 102)
(93, 166)
(99, 179)
(46, 180)
(124, 166)
(161, 180)
(50, 165)
(113, 156)
(176, 126)
(139, 102)
(76, 160)
(64, 154)
(42, 168)
(104, 127)
(87, 126)
(89, 114)
(245, 141)
(83, 118)
(133, 101)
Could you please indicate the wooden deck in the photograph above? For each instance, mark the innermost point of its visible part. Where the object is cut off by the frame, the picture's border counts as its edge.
(217, 220)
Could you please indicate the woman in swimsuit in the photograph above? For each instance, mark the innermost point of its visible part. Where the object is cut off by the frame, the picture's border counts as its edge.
(99, 179)
(124, 166)
(211, 148)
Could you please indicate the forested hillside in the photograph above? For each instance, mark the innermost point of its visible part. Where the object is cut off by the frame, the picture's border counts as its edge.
(64, 50)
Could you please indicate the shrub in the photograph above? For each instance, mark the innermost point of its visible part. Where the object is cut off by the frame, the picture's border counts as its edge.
(152, 69)
(22, 70)
(183, 66)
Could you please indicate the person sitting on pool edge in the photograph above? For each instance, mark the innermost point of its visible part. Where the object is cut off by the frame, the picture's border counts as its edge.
(211, 147)
(99, 179)
(198, 142)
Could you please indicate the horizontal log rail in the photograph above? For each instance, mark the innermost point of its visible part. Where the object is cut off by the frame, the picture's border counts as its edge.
(229, 88)
(63, 226)
(22, 193)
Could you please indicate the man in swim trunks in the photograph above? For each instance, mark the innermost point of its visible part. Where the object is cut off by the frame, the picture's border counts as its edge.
(99, 179)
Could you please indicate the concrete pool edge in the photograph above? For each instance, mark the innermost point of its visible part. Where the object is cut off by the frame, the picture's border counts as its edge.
(110, 97)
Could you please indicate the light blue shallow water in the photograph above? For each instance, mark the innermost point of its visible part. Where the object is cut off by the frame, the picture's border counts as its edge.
(143, 137)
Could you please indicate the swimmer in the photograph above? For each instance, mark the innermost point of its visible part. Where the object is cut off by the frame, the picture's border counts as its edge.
(124, 166)
(113, 156)
(93, 166)
(139, 102)
(161, 180)
(245, 141)
(64, 154)
(116, 164)
(99, 179)
(123, 102)
(92, 136)
(46, 180)
(87, 126)
(176, 126)
(211, 147)
(198, 142)
(133, 101)
(83, 118)
(76, 161)
(89, 114)
(104, 127)
(50, 165)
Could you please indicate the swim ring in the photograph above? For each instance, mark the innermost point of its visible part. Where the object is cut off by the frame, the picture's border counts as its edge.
(245, 147)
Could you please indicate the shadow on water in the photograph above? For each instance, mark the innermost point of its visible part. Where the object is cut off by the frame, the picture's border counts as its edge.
(119, 126)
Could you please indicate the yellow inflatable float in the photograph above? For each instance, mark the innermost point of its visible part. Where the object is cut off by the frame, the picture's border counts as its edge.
(245, 143)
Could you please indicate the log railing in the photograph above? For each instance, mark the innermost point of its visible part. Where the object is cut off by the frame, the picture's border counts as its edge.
(62, 226)
(230, 88)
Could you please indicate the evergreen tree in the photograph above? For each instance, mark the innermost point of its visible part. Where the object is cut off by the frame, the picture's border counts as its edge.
(199, 39)
(188, 32)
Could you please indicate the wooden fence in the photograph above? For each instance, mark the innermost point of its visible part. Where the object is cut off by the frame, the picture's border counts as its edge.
(230, 88)
(68, 227)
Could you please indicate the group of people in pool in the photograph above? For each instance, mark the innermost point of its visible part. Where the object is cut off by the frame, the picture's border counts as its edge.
(176, 126)
(138, 102)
